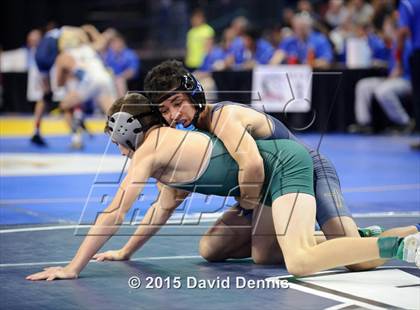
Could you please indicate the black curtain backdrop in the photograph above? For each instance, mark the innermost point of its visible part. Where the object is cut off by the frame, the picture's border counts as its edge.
(136, 19)
(18, 17)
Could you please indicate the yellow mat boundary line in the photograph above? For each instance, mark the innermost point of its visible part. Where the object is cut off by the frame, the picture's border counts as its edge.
(24, 126)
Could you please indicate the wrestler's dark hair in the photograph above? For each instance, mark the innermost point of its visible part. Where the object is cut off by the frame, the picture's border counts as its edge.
(135, 104)
(163, 78)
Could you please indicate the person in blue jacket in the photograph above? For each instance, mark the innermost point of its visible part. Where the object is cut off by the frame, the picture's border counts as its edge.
(123, 61)
(255, 49)
(305, 46)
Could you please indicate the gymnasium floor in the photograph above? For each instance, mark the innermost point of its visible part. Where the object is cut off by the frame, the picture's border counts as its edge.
(46, 192)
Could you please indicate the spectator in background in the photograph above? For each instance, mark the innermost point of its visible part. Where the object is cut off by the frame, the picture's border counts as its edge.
(32, 41)
(287, 17)
(277, 33)
(360, 11)
(336, 14)
(256, 50)
(386, 90)
(409, 11)
(305, 6)
(197, 39)
(339, 35)
(215, 59)
(381, 9)
(123, 61)
(379, 51)
(238, 26)
(305, 46)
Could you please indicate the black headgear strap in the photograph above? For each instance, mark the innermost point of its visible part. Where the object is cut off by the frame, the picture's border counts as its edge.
(192, 87)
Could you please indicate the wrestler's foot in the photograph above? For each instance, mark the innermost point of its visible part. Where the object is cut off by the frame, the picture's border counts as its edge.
(370, 231)
(409, 249)
(76, 141)
(362, 129)
(85, 129)
(401, 129)
(38, 140)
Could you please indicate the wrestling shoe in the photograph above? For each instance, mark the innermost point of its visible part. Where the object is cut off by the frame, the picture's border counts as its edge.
(77, 141)
(401, 129)
(370, 231)
(362, 129)
(38, 140)
(409, 249)
(85, 129)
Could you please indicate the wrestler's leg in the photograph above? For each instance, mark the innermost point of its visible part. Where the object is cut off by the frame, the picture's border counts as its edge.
(294, 221)
(71, 100)
(38, 113)
(332, 213)
(265, 248)
(105, 102)
(229, 237)
(338, 226)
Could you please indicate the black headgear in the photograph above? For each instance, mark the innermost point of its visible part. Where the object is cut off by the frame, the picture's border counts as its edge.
(191, 87)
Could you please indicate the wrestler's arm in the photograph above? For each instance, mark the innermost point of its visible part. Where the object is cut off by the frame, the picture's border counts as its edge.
(63, 66)
(229, 128)
(99, 41)
(157, 215)
(107, 223)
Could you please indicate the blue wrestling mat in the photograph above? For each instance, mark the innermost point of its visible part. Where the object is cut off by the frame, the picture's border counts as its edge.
(168, 273)
(379, 174)
(46, 192)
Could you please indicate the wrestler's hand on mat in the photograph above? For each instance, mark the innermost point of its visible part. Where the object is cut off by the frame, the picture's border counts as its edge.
(53, 273)
(112, 255)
